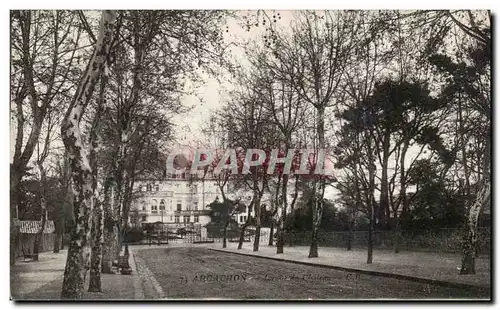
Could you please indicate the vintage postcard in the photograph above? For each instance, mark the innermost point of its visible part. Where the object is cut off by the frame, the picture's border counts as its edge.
(250, 155)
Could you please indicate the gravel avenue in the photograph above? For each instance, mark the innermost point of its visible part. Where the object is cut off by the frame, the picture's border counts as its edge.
(198, 273)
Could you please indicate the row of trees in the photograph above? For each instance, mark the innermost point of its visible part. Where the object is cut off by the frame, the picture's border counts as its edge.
(106, 85)
(401, 100)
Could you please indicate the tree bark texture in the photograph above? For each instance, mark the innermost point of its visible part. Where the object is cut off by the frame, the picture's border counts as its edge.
(77, 262)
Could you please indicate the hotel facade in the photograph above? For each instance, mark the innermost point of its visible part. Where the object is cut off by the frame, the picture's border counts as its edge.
(176, 201)
(179, 201)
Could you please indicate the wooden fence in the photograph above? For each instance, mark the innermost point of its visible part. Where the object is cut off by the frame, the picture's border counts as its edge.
(26, 234)
(25, 243)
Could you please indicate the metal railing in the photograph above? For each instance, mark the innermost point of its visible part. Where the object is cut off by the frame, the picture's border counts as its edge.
(442, 240)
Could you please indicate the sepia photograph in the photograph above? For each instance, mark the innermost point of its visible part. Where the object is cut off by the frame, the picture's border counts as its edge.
(250, 155)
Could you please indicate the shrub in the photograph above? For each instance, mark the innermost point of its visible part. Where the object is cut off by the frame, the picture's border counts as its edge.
(134, 235)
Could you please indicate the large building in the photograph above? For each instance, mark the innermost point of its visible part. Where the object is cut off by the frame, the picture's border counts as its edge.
(181, 201)
(177, 201)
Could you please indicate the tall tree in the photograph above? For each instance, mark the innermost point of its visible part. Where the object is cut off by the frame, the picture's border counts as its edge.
(472, 83)
(160, 52)
(283, 104)
(41, 157)
(321, 44)
(64, 176)
(97, 226)
(44, 55)
(78, 252)
(461, 53)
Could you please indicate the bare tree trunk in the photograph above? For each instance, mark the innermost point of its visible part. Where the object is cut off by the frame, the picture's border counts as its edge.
(15, 192)
(469, 250)
(97, 233)
(281, 228)
(279, 235)
(97, 229)
(79, 252)
(371, 200)
(317, 213)
(97, 243)
(39, 109)
(369, 258)
(125, 203)
(275, 203)
(110, 233)
(65, 173)
(292, 205)
(224, 237)
(483, 197)
(256, 241)
(245, 225)
(350, 232)
(43, 210)
(242, 235)
(120, 176)
(384, 211)
(357, 164)
(16, 174)
(271, 233)
(39, 235)
(319, 187)
(270, 242)
(402, 196)
(463, 146)
(57, 241)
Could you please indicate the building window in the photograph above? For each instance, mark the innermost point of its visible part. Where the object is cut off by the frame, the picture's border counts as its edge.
(157, 188)
(186, 219)
(241, 218)
(162, 205)
(148, 187)
(196, 219)
(179, 206)
(196, 205)
(154, 206)
(177, 219)
(170, 218)
(143, 203)
(143, 218)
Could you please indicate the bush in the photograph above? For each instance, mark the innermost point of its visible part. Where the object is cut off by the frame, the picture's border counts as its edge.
(134, 235)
